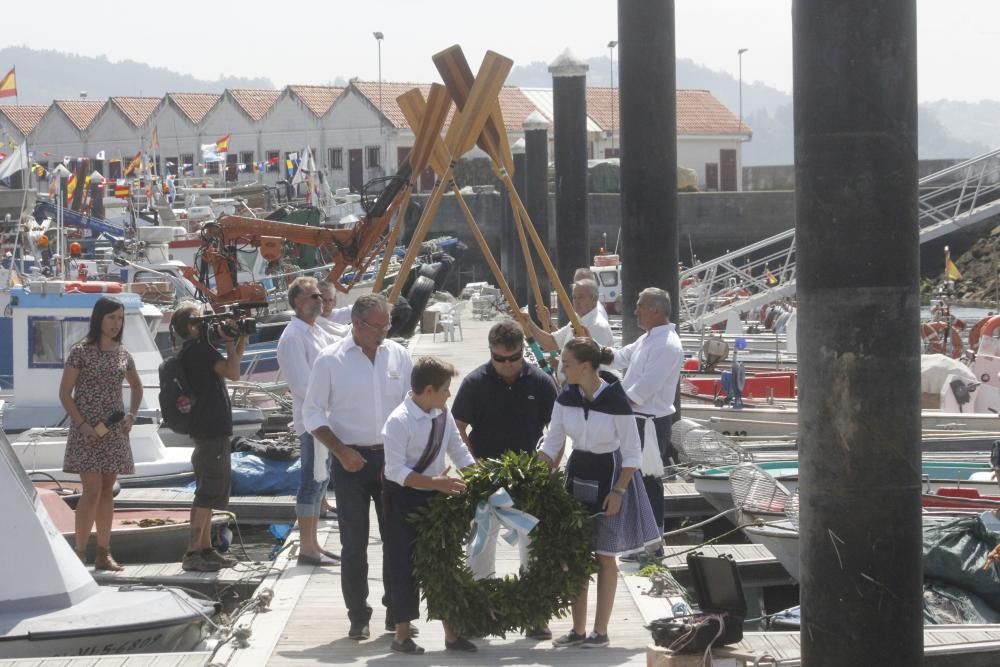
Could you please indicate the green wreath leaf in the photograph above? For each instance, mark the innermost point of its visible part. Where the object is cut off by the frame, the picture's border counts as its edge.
(560, 562)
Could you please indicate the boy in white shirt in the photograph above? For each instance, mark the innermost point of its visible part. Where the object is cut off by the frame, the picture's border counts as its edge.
(417, 436)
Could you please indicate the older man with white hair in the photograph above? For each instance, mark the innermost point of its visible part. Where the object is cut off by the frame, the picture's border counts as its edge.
(586, 299)
(653, 364)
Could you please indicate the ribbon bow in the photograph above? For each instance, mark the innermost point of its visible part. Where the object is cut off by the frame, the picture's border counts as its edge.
(499, 507)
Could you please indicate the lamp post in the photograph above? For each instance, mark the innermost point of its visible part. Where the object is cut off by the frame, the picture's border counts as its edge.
(740, 54)
(378, 38)
(611, 51)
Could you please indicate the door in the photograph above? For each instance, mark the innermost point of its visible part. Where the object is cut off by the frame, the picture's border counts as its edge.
(355, 169)
(727, 160)
(711, 176)
(232, 167)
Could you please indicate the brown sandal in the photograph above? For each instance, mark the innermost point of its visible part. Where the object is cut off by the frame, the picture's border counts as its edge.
(105, 561)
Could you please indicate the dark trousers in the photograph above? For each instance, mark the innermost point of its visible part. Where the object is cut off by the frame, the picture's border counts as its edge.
(398, 503)
(654, 485)
(355, 491)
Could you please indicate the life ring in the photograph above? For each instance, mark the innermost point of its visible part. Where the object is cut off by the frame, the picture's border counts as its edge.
(932, 334)
(984, 328)
(94, 286)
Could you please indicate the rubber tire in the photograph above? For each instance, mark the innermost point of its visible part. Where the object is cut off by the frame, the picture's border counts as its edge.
(417, 297)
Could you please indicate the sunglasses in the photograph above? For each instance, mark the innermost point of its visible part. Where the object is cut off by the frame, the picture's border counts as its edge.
(499, 358)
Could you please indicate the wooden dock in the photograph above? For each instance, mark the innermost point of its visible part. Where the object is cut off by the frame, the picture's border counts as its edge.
(197, 659)
(682, 500)
(243, 578)
(247, 509)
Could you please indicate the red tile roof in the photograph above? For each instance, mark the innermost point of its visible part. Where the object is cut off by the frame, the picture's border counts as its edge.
(137, 109)
(255, 103)
(194, 105)
(80, 112)
(514, 105)
(317, 99)
(698, 112)
(24, 116)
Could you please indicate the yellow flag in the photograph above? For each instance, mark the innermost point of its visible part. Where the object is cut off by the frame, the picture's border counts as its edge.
(951, 271)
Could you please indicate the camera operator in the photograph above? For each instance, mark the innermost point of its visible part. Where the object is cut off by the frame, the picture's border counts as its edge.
(211, 425)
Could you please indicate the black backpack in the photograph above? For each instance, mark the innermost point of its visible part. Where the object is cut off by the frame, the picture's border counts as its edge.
(176, 398)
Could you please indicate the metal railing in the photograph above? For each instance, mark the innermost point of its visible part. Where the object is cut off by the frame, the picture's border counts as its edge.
(955, 198)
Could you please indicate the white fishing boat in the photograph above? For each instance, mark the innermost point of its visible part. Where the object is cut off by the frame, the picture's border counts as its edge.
(50, 605)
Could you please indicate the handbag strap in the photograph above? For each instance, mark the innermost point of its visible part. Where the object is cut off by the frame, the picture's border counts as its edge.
(434, 441)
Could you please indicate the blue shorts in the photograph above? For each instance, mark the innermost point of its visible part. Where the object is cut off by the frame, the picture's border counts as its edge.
(309, 499)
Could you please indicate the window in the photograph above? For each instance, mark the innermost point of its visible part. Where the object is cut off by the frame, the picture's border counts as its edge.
(608, 278)
(612, 152)
(115, 170)
(171, 165)
(335, 158)
(212, 167)
(373, 156)
(51, 338)
(187, 165)
(273, 158)
(246, 159)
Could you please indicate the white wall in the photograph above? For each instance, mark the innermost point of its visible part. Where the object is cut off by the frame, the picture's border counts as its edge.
(57, 135)
(288, 128)
(112, 133)
(177, 135)
(695, 152)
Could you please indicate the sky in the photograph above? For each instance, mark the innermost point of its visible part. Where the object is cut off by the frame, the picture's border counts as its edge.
(315, 42)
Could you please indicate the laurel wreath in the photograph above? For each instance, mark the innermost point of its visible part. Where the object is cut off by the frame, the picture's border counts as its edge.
(561, 558)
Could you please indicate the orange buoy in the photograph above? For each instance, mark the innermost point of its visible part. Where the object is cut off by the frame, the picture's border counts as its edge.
(933, 335)
(94, 286)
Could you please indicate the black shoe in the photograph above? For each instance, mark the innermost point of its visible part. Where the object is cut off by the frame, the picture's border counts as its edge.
(460, 644)
(406, 646)
(330, 555)
(571, 638)
(541, 634)
(359, 630)
(391, 627)
(595, 640)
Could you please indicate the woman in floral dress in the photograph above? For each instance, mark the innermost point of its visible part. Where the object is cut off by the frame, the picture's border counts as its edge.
(91, 392)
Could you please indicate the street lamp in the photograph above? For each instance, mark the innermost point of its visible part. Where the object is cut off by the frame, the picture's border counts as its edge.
(740, 54)
(611, 51)
(378, 38)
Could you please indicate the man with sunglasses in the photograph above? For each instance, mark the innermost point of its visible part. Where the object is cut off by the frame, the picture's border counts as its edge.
(335, 320)
(508, 403)
(354, 386)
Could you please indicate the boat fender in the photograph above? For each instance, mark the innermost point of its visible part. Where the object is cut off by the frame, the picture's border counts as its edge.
(95, 286)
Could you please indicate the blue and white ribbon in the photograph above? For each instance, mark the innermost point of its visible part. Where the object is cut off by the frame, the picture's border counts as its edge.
(499, 508)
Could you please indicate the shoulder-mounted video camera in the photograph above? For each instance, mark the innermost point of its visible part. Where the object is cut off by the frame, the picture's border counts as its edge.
(228, 324)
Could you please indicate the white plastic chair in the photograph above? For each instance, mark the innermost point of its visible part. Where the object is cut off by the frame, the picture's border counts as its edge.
(451, 320)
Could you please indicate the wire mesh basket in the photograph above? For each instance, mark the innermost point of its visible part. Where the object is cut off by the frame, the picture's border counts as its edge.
(756, 492)
(707, 447)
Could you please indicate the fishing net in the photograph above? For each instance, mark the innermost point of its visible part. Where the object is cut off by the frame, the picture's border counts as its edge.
(756, 492)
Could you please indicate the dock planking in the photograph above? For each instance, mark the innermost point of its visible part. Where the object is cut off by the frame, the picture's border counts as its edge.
(245, 576)
(247, 509)
(195, 659)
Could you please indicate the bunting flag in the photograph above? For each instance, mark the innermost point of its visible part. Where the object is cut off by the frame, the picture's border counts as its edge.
(8, 85)
(121, 189)
(70, 186)
(135, 164)
(222, 145)
(951, 271)
(154, 141)
(40, 171)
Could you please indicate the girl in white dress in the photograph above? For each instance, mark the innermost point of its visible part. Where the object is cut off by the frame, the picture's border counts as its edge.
(594, 412)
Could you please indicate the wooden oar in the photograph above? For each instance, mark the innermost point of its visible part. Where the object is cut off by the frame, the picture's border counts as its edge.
(462, 133)
(457, 76)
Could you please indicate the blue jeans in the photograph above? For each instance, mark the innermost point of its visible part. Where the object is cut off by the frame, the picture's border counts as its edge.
(355, 491)
(309, 499)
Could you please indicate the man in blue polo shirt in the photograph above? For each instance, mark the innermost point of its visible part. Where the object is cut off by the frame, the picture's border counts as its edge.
(508, 403)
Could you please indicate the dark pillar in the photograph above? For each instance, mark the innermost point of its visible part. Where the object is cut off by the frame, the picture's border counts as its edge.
(569, 104)
(857, 241)
(536, 173)
(515, 268)
(648, 101)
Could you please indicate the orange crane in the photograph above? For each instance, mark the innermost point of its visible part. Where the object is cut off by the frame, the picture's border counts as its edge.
(353, 248)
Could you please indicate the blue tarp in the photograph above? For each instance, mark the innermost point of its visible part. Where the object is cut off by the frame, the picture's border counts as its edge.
(256, 476)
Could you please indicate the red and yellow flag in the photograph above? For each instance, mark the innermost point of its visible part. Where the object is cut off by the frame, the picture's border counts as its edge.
(8, 85)
(772, 280)
(135, 164)
(222, 145)
(951, 271)
(71, 186)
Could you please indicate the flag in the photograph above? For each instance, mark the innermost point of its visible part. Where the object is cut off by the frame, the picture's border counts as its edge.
(11, 143)
(70, 186)
(100, 155)
(222, 145)
(951, 271)
(772, 280)
(8, 85)
(121, 189)
(135, 164)
(210, 153)
(154, 141)
(15, 162)
(66, 159)
(39, 171)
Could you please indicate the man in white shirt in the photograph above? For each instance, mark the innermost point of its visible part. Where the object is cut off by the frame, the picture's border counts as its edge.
(654, 367)
(336, 320)
(354, 386)
(586, 299)
(300, 344)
